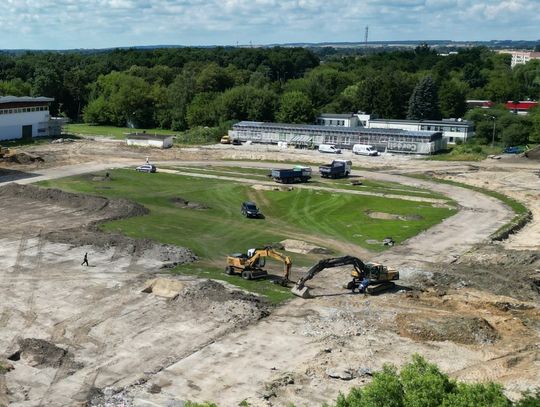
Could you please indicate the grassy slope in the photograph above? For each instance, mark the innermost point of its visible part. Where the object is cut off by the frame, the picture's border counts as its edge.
(221, 230)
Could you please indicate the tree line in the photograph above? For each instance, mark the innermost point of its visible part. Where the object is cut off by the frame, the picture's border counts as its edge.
(183, 88)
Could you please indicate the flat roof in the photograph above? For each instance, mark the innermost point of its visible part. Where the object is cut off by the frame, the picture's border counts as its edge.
(453, 122)
(335, 129)
(338, 115)
(24, 99)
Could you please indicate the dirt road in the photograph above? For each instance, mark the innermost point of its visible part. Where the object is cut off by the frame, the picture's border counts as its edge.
(139, 349)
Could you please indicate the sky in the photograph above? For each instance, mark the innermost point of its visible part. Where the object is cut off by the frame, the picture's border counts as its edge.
(66, 24)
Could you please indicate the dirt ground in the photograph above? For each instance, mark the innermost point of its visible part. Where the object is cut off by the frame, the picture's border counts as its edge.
(78, 335)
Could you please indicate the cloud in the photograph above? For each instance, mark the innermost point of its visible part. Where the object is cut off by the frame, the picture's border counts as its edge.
(104, 23)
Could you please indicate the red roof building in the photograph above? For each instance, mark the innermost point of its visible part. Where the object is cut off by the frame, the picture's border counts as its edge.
(522, 107)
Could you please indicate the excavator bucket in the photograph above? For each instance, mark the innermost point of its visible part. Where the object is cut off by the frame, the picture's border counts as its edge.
(302, 292)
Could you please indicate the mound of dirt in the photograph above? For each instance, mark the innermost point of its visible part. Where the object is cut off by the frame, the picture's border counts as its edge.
(24, 158)
(169, 255)
(459, 329)
(183, 203)
(299, 246)
(164, 287)
(259, 187)
(391, 216)
(533, 154)
(40, 353)
(111, 208)
(228, 305)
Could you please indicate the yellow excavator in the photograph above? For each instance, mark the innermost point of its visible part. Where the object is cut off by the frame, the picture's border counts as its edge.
(370, 278)
(250, 265)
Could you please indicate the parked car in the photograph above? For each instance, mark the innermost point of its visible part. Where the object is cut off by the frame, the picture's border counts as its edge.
(250, 210)
(329, 148)
(146, 168)
(514, 150)
(364, 149)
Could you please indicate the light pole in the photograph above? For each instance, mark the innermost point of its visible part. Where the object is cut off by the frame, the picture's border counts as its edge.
(493, 133)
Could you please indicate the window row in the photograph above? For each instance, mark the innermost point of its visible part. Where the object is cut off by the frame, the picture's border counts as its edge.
(24, 110)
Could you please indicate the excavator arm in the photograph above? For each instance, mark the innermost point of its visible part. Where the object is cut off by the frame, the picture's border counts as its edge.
(328, 263)
(269, 252)
(376, 276)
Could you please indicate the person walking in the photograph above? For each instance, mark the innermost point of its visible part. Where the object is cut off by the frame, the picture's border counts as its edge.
(85, 261)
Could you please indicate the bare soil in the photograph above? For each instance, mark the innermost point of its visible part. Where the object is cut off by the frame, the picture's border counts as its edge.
(91, 336)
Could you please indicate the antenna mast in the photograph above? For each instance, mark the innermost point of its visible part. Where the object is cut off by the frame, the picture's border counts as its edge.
(366, 36)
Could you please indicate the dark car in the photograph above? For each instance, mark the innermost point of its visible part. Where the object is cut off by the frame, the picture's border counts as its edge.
(513, 150)
(250, 210)
(146, 168)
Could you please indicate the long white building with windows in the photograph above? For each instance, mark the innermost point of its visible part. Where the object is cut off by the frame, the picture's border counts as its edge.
(310, 136)
(451, 129)
(24, 117)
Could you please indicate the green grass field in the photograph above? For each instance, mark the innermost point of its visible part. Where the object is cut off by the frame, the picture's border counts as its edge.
(368, 185)
(216, 232)
(109, 131)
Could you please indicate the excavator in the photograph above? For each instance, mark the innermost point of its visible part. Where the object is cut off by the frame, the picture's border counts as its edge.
(250, 266)
(370, 278)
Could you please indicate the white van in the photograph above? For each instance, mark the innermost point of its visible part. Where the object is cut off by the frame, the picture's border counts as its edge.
(364, 149)
(329, 148)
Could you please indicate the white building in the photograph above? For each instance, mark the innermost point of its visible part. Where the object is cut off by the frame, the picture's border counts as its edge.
(310, 135)
(149, 140)
(24, 117)
(343, 120)
(520, 57)
(451, 129)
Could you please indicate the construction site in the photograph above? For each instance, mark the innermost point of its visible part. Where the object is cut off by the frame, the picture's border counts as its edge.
(125, 288)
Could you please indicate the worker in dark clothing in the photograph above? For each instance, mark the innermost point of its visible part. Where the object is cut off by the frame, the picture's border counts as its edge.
(85, 261)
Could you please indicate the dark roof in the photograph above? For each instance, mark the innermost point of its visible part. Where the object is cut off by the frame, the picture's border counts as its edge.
(146, 136)
(333, 129)
(24, 99)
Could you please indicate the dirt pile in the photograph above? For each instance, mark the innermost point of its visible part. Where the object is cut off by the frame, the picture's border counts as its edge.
(183, 203)
(41, 354)
(23, 158)
(164, 287)
(110, 208)
(459, 329)
(168, 255)
(391, 216)
(299, 246)
(513, 273)
(227, 305)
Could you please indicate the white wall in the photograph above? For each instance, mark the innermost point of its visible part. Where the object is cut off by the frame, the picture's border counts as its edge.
(11, 124)
(166, 143)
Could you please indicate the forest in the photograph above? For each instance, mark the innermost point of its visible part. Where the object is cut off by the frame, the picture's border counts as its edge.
(191, 88)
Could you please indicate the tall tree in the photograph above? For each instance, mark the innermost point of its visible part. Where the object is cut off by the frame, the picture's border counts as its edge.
(424, 102)
(452, 99)
(295, 107)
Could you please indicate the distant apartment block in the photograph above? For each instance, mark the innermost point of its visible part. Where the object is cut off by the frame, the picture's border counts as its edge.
(520, 57)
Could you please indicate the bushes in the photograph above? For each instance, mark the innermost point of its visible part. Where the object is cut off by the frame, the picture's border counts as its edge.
(422, 384)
